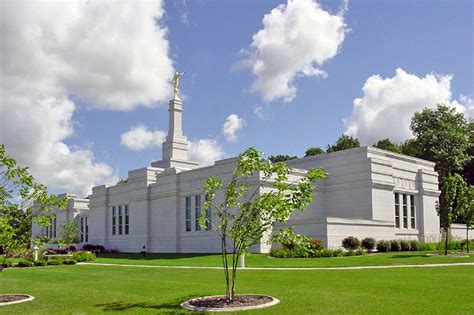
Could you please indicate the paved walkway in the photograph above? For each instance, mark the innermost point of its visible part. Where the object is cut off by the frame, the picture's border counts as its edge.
(287, 268)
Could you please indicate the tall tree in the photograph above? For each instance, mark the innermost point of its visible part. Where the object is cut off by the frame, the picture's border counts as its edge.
(442, 135)
(23, 202)
(281, 158)
(314, 151)
(245, 216)
(343, 143)
(410, 147)
(468, 171)
(386, 144)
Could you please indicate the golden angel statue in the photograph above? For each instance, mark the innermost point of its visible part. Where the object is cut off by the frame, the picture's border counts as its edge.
(176, 77)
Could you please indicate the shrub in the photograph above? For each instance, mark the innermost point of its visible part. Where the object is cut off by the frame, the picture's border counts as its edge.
(383, 246)
(69, 262)
(360, 252)
(94, 248)
(351, 242)
(293, 242)
(82, 256)
(40, 263)
(7, 264)
(369, 244)
(338, 253)
(316, 244)
(279, 253)
(427, 247)
(405, 246)
(24, 263)
(414, 245)
(395, 245)
(350, 252)
(54, 262)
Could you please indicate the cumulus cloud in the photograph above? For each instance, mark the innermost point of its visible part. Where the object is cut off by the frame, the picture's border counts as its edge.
(232, 124)
(295, 41)
(388, 104)
(107, 55)
(139, 138)
(205, 151)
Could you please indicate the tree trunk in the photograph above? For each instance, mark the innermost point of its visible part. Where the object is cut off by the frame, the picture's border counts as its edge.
(446, 241)
(467, 238)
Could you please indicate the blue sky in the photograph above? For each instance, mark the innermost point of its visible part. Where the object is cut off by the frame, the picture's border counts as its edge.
(206, 39)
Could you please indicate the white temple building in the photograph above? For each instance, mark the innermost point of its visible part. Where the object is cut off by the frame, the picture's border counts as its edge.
(368, 193)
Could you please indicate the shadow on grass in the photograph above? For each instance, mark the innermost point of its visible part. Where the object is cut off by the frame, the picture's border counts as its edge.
(167, 308)
(409, 256)
(152, 256)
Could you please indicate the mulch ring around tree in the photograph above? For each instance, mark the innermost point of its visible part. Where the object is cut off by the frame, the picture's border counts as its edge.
(7, 299)
(220, 304)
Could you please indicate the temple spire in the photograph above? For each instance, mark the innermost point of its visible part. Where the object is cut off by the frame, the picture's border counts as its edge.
(175, 148)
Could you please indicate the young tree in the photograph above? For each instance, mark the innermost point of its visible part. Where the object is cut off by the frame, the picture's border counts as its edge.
(442, 135)
(281, 158)
(22, 203)
(455, 201)
(69, 233)
(343, 143)
(244, 216)
(314, 151)
(468, 213)
(386, 144)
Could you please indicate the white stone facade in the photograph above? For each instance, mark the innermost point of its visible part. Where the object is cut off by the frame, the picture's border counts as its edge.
(368, 193)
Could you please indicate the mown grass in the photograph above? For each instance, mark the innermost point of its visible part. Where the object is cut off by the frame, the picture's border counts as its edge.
(87, 289)
(261, 260)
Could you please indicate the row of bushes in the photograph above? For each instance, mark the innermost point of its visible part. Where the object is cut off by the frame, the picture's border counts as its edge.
(323, 253)
(28, 263)
(369, 244)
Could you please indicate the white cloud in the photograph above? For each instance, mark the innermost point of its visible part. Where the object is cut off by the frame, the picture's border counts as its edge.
(232, 124)
(105, 54)
(205, 151)
(140, 138)
(388, 104)
(258, 111)
(296, 40)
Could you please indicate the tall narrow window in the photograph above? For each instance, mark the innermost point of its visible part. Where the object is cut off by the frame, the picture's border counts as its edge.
(86, 219)
(114, 221)
(188, 214)
(397, 210)
(120, 223)
(47, 230)
(412, 211)
(127, 220)
(208, 216)
(82, 229)
(198, 211)
(405, 212)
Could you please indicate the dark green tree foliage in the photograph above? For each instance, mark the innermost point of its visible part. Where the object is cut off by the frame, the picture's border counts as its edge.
(468, 171)
(411, 148)
(314, 151)
(244, 212)
(343, 143)
(23, 202)
(442, 135)
(386, 144)
(281, 158)
(467, 214)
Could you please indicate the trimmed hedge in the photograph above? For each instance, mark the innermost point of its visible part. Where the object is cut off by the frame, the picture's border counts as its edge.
(383, 246)
(369, 244)
(24, 263)
(82, 256)
(351, 242)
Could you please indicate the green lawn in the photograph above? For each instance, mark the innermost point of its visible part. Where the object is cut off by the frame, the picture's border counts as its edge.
(260, 260)
(87, 289)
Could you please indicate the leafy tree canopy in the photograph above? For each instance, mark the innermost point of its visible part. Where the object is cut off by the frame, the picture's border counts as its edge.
(442, 135)
(386, 144)
(343, 143)
(314, 151)
(411, 148)
(23, 202)
(281, 158)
